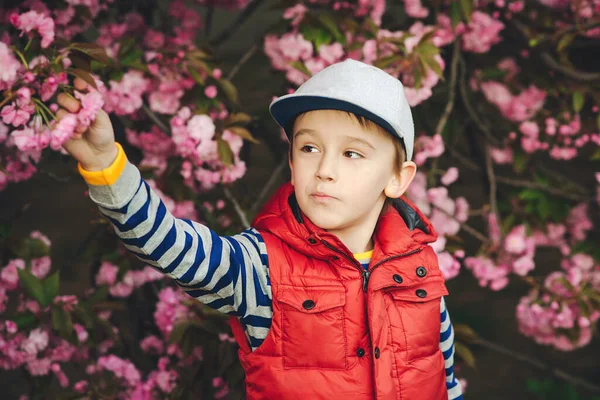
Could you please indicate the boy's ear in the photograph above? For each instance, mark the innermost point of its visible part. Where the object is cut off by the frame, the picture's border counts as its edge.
(401, 180)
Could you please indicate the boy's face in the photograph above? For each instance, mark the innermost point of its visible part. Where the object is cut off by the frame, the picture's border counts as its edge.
(342, 172)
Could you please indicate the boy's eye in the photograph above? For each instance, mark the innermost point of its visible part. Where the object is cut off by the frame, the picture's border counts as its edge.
(352, 154)
(308, 149)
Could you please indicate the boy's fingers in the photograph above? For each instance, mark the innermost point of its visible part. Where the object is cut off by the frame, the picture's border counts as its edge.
(80, 129)
(71, 104)
(68, 102)
(61, 113)
(80, 84)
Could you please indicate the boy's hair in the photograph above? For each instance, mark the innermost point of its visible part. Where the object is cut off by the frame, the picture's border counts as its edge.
(400, 155)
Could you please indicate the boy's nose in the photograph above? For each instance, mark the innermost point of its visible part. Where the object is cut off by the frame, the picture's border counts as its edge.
(327, 170)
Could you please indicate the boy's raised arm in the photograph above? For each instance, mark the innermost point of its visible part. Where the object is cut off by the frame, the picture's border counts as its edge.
(208, 267)
(229, 274)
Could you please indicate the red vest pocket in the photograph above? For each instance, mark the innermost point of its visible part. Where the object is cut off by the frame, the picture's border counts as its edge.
(414, 315)
(313, 328)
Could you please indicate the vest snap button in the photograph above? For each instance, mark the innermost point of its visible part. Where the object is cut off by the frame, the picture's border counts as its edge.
(421, 293)
(377, 352)
(397, 278)
(312, 241)
(335, 258)
(360, 352)
(308, 304)
(421, 272)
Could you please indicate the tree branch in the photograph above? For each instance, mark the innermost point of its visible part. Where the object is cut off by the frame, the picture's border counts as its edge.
(469, 107)
(155, 119)
(492, 182)
(267, 188)
(574, 380)
(572, 73)
(242, 61)
(238, 209)
(452, 90)
(239, 21)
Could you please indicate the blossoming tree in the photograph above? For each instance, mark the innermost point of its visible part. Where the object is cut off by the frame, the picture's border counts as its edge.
(500, 89)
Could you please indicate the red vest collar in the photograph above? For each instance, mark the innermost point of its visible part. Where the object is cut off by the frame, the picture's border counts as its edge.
(400, 228)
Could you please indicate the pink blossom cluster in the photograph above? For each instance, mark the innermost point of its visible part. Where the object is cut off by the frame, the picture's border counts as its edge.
(195, 140)
(292, 48)
(481, 33)
(27, 125)
(170, 309)
(445, 213)
(193, 135)
(562, 313)
(515, 254)
(514, 108)
(39, 350)
(132, 279)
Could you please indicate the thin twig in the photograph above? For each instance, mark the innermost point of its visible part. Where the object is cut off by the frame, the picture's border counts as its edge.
(239, 21)
(489, 166)
(469, 107)
(238, 209)
(452, 90)
(267, 188)
(242, 61)
(210, 11)
(155, 119)
(574, 380)
(53, 176)
(467, 228)
(542, 187)
(572, 73)
(524, 183)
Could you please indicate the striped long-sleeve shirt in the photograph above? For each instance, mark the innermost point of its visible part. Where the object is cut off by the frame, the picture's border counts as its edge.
(227, 273)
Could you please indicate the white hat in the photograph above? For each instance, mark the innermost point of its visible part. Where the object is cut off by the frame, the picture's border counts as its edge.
(355, 87)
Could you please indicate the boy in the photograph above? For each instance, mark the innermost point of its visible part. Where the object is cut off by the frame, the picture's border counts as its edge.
(334, 292)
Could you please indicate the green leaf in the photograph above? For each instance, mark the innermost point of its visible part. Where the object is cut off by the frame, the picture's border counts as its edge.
(329, 22)
(52, 286)
(465, 354)
(427, 49)
(455, 17)
(386, 61)
(230, 90)
(435, 66)
(299, 65)
(62, 322)
(238, 118)
(92, 50)
(466, 7)
(178, 331)
(81, 61)
(530, 194)
(243, 133)
(520, 162)
(316, 35)
(196, 75)
(598, 121)
(578, 101)
(33, 286)
(86, 76)
(596, 155)
(132, 58)
(24, 320)
(225, 153)
(565, 41)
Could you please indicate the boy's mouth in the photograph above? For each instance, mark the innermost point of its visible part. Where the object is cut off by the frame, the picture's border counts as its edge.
(321, 196)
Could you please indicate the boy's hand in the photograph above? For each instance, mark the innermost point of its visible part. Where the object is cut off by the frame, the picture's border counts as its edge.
(93, 147)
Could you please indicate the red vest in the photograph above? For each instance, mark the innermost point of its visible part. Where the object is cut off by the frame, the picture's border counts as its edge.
(339, 332)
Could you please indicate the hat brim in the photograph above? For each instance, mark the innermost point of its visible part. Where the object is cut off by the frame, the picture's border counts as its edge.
(285, 110)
